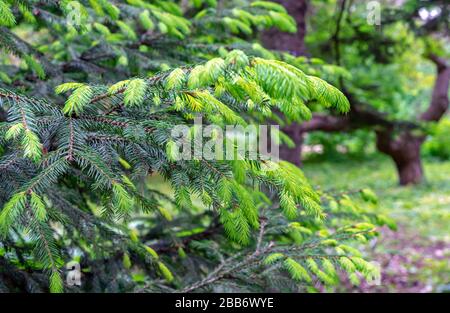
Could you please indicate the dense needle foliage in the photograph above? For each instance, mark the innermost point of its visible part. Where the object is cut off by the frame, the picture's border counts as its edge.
(90, 93)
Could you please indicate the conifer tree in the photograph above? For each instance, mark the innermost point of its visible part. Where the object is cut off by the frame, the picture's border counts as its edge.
(90, 93)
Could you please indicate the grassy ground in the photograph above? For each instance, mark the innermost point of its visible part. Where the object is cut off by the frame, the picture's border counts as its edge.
(416, 258)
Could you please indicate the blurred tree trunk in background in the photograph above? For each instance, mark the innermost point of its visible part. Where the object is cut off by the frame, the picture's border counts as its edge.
(295, 44)
(405, 152)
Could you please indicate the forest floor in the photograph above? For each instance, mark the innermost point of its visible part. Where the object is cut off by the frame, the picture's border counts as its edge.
(416, 257)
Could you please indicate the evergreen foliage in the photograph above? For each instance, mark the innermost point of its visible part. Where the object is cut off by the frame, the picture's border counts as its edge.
(90, 111)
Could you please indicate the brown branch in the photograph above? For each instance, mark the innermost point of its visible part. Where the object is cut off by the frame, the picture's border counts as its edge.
(321, 122)
(360, 116)
(336, 40)
(439, 100)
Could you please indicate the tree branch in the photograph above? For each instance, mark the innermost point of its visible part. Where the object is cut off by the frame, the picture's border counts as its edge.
(337, 49)
(322, 122)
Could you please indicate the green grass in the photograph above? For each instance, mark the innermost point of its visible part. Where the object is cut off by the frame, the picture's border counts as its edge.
(424, 209)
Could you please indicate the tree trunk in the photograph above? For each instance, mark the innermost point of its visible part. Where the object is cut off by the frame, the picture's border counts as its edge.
(282, 41)
(294, 44)
(409, 163)
(405, 152)
(410, 170)
(294, 154)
